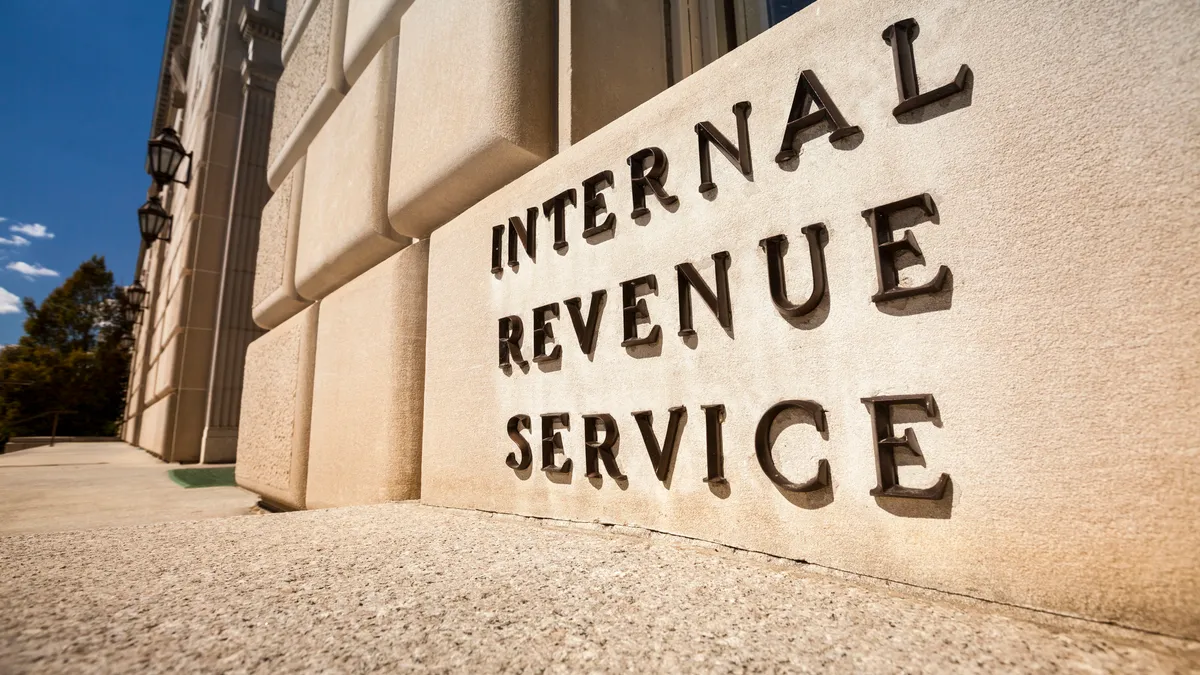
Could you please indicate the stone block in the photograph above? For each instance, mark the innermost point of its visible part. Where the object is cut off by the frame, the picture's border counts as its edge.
(272, 451)
(294, 20)
(369, 25)
(604, 78)
(194, 368)
(200, 296)
(476, 109)
(369, 386)
(208, 251)
(344, 228)
(1060, 354)
(275, 296)
(310, 88)
(187, 428)
(156, 426)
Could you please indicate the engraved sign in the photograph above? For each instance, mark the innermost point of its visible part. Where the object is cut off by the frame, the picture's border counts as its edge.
(648, 174)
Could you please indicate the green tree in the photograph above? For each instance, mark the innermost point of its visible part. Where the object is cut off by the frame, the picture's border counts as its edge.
(72, 357)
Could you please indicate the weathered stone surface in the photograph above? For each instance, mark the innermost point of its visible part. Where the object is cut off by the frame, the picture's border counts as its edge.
(311, 87)
(369, 387)
(402, 587)
(275, 295)
(476, 109)
(276, 411)
(369, 25)
(294, 20)
(344, 228)
(1061, 359)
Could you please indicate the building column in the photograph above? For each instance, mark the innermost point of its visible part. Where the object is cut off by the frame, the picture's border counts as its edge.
(262, 29)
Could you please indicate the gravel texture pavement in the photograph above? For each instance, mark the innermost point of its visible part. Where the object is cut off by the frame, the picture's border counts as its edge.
(405, 587)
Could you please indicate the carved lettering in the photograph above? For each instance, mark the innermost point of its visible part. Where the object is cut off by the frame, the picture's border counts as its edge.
(597, 450)
(886, 443)
(718, 302)
(552, 442)
(661, 456)
(526, 233)
(586, 332)
(634, 310)
(808, 92)
(762, 446)
(887, 249)
(739, 155)
(555, 209)
(594, 204)
(900, 36)
(776, 247)
(648, 180)
(543, 331)
(515, 424)
(714, 417)
(511, 332)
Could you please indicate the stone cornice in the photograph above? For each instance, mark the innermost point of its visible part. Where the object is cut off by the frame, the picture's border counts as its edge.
(176, 30)
(262, 29)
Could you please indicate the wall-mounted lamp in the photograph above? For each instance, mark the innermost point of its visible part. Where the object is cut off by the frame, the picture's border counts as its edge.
(132, 313)
(135, 293)
(126, 341)
(154, 222)
(164, 155)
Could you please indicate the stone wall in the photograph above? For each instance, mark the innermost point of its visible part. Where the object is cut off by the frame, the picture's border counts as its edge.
(217, 91)
(942, 332)
(393, 117)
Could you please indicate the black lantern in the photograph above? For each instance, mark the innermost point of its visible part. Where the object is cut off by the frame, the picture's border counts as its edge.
(131, 313)
(164, 155)
(135, 293)
(126, 341)
(154, 221)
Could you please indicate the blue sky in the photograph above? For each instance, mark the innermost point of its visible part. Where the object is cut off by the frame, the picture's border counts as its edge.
(78, 82)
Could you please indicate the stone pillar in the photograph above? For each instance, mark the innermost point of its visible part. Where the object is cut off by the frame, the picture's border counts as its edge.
(601, 78)
(262, 29)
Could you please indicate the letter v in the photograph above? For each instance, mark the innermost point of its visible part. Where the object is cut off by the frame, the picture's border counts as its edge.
(661, 458)
(586, 332)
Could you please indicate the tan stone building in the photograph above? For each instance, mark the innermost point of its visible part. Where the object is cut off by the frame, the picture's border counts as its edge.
(532, 256)
(216, 92)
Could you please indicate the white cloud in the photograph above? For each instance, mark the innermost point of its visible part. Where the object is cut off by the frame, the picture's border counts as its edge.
(17, 240)
(35, 230)
(31, 271)
(9, 303)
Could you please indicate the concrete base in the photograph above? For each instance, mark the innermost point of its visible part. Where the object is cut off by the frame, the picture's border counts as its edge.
(403, 587)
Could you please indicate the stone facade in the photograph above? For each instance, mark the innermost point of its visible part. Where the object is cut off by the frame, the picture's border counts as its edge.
(896, 287)
(344, 229)
(217, 90)
(311, 86)
(277, 411)
(475, 110)
(275, 294)
(368, 391)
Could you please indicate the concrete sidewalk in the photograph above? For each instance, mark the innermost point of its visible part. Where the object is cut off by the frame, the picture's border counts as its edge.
(77, 486)
(410, 587)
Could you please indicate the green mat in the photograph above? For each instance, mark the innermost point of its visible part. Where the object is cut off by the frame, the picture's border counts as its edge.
(202, 478)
